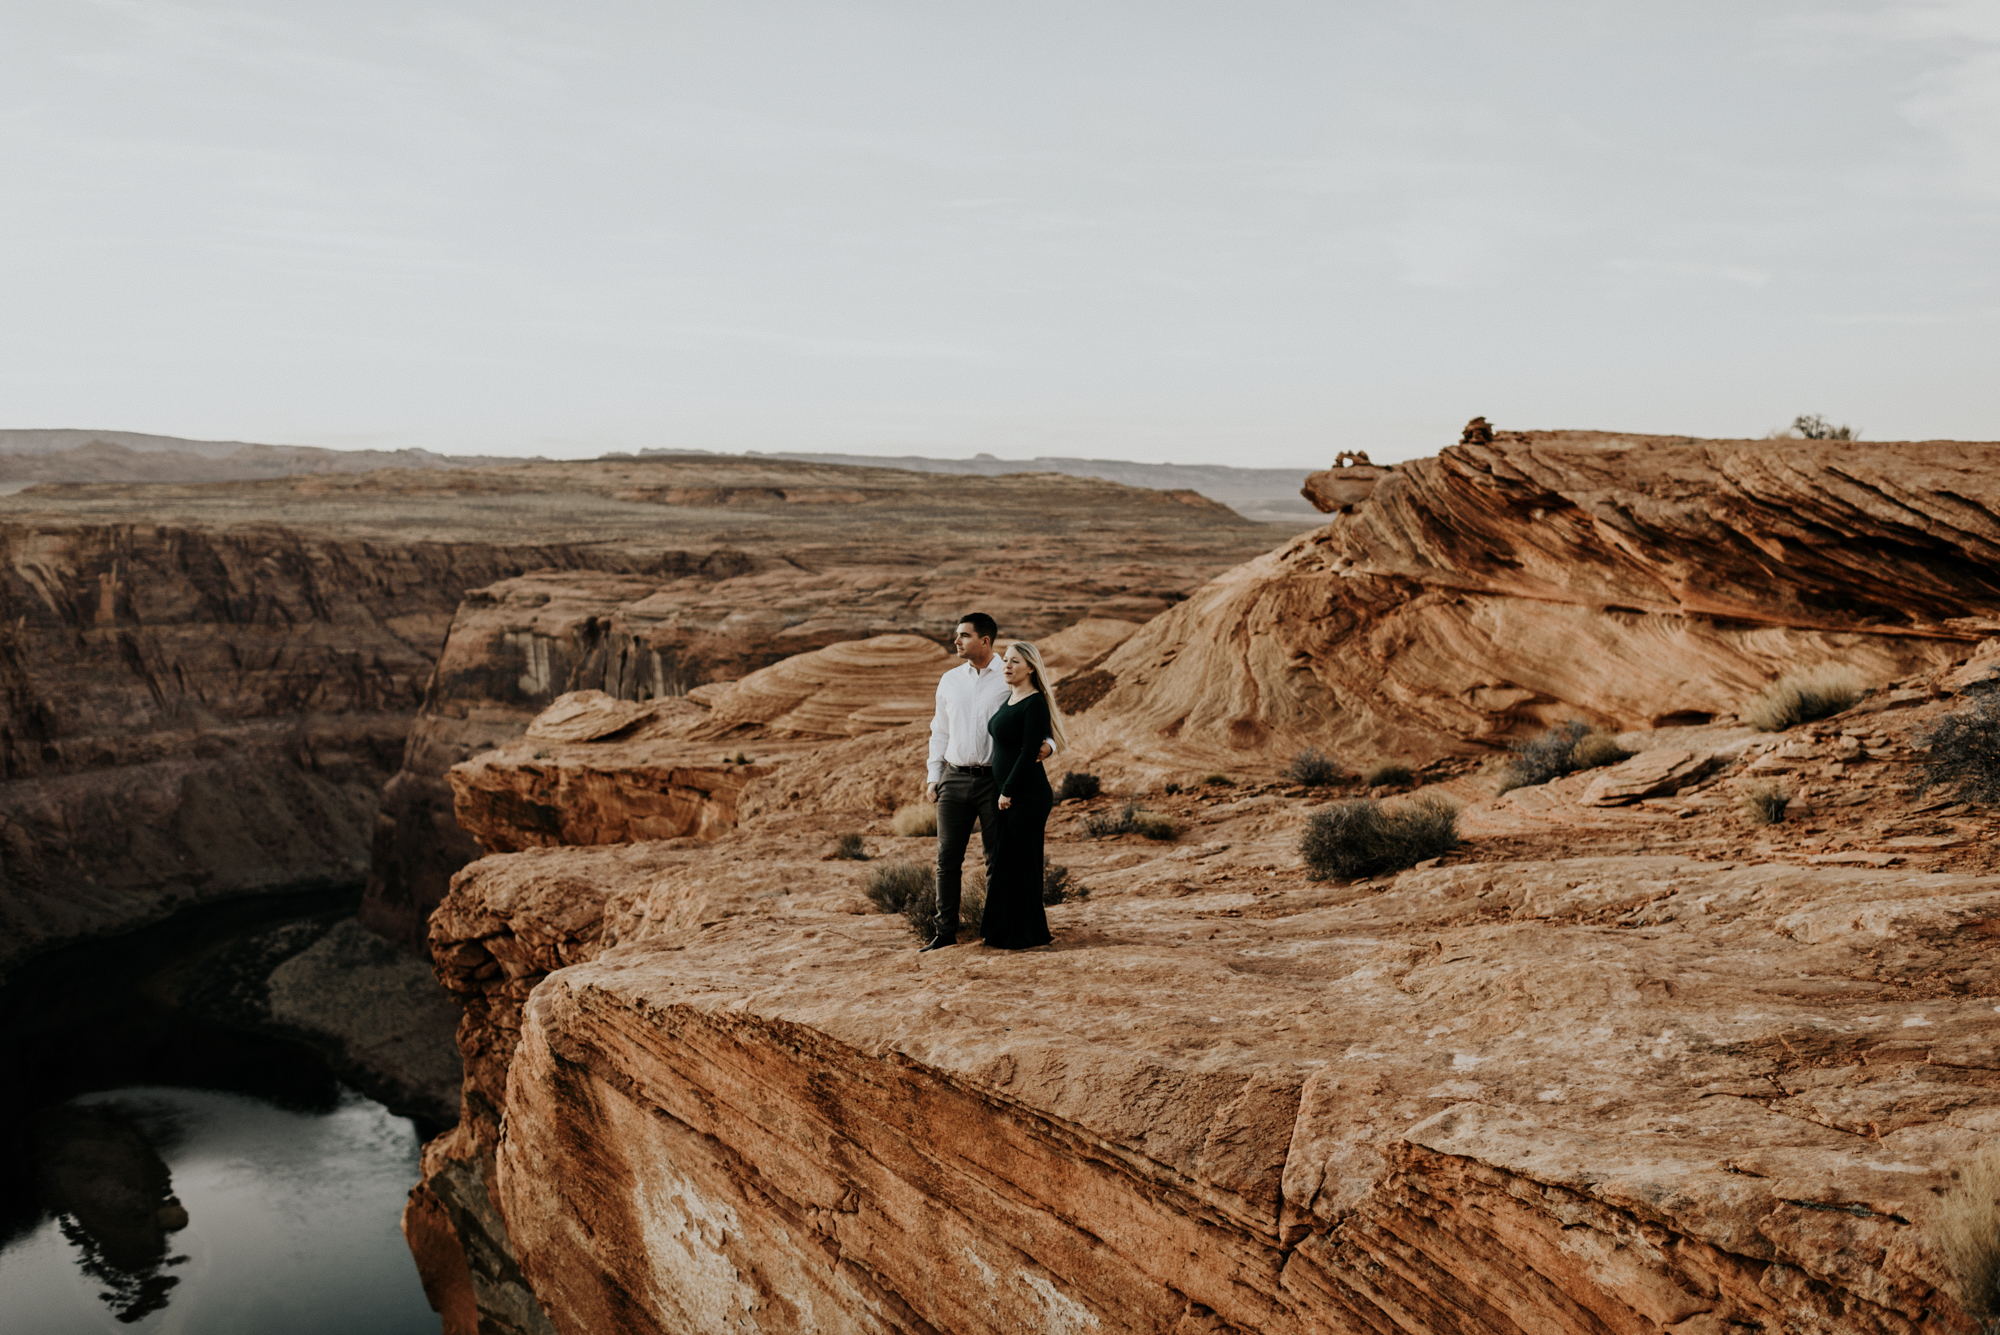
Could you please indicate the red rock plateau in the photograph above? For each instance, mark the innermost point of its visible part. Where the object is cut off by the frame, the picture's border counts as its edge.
(1622, 1062)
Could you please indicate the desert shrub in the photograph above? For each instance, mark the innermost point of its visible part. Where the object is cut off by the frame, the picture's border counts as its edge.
(1764, 803)
(1563, 749)
(1389, 776)
(910, 888)
(1111, 824)
(1549, 756)
(850, 847)
(1363, 838)
(1218, 781)
(1596, 750)
(1815, 427)
(916, 819)
(1060, 887)
(1966, 1224)
(1081, 787)
(1312, 767)
(1171, 787)
(1800, 698)
(893, 885)
(1155, 826)
(1965, 751)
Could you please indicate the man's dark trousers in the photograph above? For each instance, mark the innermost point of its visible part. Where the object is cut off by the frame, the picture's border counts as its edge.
(963, 796)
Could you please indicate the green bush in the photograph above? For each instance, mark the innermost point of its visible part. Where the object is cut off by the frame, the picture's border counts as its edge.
(1059, 887)
(1363, 838)
(850, 847)
(1764, 803)
(910, 888)
(1964, 750)
(1389, 776)
(1314, 768)
(1080, 787)
(1802, 698)
(893, 886)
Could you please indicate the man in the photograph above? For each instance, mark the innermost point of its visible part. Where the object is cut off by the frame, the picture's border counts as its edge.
(960, 777)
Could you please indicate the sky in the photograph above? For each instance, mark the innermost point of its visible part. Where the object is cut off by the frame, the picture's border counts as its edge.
(1249, 233)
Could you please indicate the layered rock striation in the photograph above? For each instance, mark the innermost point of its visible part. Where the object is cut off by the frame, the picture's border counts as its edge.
(1629, 581)
(1541, 1087)
(193, 715)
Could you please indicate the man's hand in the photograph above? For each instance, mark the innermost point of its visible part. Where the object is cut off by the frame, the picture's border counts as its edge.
(1045, 752)
(1006, 802)
(930, 793)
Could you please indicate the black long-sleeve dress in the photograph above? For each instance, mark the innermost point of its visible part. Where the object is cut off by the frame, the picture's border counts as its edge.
(1014, 919)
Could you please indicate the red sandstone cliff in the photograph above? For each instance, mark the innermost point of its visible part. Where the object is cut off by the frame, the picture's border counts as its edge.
(1620, 1064)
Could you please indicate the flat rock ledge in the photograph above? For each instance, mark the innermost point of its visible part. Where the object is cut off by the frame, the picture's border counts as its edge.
(710, 1091)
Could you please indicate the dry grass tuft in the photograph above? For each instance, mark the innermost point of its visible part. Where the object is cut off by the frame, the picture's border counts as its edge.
(1764, 803)
(1802, 697)
(1128, 819)
(1966, 1224)
(1563, 749)
(1363, 838)
(919, 818)
(1314, 768)
(1392, 775)
(1218, 781)
(850, 847)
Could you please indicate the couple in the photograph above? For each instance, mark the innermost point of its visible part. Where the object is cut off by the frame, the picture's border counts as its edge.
(995, 724)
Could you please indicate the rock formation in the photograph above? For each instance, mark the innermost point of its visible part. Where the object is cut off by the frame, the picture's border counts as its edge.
(194, 715)
(897, 562)
(1627, 581)
(1621, 1062)
(1567, 1081)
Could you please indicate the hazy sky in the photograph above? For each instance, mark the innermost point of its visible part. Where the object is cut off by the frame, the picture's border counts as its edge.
(1240, 232)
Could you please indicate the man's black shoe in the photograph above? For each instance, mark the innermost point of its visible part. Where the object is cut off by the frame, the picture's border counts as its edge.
(940, 941)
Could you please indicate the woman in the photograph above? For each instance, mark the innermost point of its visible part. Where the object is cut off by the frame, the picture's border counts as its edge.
(1014, 919)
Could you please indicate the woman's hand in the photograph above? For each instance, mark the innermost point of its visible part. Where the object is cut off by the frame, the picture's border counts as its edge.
(1006, 802)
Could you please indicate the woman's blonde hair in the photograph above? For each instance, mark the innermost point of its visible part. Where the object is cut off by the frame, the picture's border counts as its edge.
(1039, 679)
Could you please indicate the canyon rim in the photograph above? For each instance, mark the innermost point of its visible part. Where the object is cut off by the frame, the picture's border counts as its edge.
(1620, 1062)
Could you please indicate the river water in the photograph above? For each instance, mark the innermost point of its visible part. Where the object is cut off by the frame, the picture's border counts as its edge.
(165, 1168)
(291, 1221)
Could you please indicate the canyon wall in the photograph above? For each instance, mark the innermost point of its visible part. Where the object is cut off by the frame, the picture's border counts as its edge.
(1630, 581)
(192, 715)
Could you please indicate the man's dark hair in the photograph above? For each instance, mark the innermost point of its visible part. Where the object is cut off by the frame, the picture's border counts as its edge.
(981, 624)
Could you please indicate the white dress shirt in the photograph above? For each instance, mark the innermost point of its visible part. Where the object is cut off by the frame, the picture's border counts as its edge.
(966, 699)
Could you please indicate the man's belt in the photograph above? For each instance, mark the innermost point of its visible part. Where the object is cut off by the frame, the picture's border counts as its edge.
(969, 769)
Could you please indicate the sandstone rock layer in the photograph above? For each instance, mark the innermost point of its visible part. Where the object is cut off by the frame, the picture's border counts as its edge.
(1630, 581)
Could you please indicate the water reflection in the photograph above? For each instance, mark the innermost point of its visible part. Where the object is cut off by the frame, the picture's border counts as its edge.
(112, 1197)
(197, 1211)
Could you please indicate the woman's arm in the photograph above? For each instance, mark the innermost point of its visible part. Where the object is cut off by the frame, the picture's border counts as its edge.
(1034, 723)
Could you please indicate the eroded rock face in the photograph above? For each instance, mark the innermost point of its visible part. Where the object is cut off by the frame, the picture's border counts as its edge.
(192, 715)
(745, 640)
(1627, 581)
(1617, 1093)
